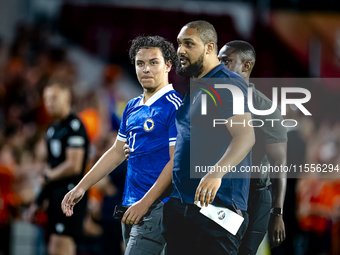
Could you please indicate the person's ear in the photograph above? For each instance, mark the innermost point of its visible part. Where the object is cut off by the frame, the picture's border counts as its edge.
(168, 66)
(210, 47)
(246, 66)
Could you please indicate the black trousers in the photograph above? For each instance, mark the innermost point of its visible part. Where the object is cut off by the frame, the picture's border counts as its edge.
(259, 205)
(187, 231)
(58, 223)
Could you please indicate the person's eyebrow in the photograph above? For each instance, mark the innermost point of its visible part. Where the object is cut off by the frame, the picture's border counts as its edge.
(154, 59)
(186, 39)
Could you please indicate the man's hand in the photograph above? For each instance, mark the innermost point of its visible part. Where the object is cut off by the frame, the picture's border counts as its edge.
(126, 149)
(70, 200)
(276, 230)
(207, 189)
(135, 213)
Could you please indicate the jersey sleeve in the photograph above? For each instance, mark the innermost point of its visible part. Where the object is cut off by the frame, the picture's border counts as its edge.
(77, 135)
(172, 121)
(122, 129)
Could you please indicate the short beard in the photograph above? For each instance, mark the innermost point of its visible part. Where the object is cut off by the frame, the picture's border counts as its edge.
(193, 70)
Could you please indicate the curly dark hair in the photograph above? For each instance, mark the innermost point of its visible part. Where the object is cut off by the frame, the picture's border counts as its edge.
(147, 42)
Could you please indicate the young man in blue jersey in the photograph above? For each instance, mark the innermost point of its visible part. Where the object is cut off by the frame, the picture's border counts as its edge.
(148, 126)
(270, 148)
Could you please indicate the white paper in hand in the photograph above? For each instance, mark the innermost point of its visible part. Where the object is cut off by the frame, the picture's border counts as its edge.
(224, 217)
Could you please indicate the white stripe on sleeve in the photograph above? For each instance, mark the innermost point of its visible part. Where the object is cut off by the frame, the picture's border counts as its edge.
(175, 99)
(170, 100)
(121, 135)
(179, 99)
(121, 139)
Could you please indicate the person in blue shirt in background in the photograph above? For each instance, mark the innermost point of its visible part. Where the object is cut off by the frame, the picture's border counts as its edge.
(148, 127)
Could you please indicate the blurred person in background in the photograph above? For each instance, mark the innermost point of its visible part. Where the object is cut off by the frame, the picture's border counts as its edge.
(270, 149)
(318, 192)
(25, 67)
(148, 126)
(21, 160)
(9, 200)
(67, 144)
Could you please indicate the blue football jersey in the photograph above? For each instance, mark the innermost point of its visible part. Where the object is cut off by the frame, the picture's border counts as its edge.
(149, 129)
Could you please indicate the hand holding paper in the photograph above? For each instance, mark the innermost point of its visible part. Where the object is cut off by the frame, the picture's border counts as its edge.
(224, 217)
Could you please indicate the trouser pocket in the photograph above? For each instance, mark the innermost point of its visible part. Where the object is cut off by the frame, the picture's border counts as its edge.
(144, 246)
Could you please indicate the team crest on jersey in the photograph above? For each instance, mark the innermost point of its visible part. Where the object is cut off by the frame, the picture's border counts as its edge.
(55, 146)
(149, 125)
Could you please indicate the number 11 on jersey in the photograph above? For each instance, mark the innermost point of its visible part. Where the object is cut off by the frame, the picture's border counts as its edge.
(132, 143)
